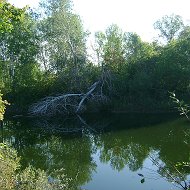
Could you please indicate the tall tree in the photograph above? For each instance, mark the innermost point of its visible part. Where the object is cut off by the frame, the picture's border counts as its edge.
(169, 26)
(110, 55)
(62, 35)
(18, 48)
(136, 49)
(10, 17)
(109, 47)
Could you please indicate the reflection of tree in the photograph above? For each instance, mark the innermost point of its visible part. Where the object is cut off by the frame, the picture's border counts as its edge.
(173, 150)
(131, 147)
(170, 172)
(74, 155)
(49, 152)
(118, 144)
(120, 150)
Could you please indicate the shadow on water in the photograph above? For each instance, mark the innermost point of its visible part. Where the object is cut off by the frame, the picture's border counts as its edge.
(118, 140)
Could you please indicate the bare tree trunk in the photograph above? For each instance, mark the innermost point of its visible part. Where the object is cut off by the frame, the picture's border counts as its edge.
(92, 88)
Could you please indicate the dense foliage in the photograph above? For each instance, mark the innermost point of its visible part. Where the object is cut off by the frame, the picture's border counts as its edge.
(44, 53)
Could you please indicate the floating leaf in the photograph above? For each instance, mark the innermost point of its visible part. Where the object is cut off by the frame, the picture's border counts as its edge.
(141, 175)
(142, 180)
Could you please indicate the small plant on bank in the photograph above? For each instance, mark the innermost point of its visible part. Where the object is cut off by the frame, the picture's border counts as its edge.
(182, 107)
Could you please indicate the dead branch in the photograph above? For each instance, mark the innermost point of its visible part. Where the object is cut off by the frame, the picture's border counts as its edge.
(55, 104)
(63, 104)
(92, 88)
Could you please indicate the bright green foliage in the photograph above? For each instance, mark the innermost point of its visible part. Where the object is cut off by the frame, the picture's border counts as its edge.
(9, 163)
(19, 46)
(3, 104)
(9, 15)
(18, 50)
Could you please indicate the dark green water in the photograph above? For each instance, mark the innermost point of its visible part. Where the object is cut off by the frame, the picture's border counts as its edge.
(104, 152)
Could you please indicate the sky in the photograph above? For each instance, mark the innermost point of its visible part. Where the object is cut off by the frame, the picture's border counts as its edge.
(130, 15)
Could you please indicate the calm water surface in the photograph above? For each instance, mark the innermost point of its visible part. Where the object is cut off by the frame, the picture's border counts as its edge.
(105, 152)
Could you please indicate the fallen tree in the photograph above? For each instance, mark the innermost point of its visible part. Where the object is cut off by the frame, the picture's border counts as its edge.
(67, 103)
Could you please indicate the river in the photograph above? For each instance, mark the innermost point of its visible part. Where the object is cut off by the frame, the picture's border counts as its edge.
(105, 152)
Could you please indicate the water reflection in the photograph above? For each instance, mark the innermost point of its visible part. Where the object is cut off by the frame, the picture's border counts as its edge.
(118, 141)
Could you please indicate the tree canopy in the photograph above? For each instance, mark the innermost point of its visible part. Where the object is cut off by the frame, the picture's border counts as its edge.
(169, 26)
(44, 53)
